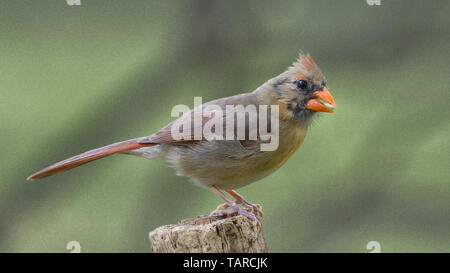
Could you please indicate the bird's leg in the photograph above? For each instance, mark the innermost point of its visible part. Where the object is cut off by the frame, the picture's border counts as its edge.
(240, 200)
(234, 208)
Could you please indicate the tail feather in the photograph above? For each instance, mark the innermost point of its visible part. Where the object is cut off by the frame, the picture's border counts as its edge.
(89, 156)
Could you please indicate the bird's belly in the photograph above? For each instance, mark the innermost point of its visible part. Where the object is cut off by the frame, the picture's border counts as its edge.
(228, 175)
(219, 164)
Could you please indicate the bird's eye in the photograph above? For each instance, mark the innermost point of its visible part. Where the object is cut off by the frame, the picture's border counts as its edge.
(302, 84)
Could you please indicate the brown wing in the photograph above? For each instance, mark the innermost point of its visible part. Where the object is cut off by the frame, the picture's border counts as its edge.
(164, 135)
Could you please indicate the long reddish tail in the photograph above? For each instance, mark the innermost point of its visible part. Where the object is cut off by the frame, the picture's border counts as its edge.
(88, 157)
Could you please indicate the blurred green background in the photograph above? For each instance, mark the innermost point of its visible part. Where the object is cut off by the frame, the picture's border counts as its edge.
(74, 78)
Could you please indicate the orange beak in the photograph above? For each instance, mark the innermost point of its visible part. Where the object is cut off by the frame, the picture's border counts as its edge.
(321, 101)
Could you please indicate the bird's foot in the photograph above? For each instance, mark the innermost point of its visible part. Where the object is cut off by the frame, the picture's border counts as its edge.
(240, 200)
(245, 204)
(253, 207)
(227, 209)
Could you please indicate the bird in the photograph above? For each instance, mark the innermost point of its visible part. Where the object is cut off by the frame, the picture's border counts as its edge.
(226, 164)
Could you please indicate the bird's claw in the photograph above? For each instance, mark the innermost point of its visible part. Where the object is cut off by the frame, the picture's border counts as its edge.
(222, 210)
(221, 206)
(253, 207)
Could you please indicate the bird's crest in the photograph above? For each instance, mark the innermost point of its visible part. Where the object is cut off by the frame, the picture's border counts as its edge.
(306, 61)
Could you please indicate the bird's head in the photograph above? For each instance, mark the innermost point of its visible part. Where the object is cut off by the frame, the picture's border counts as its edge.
(301, 90)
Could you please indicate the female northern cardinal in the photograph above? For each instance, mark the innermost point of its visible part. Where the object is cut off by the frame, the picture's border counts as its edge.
(217, 164)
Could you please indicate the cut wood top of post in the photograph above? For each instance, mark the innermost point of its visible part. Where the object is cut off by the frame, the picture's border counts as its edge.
(209, 234)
